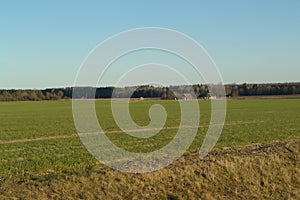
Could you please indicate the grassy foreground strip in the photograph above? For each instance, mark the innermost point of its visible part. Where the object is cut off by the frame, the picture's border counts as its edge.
(255, 171)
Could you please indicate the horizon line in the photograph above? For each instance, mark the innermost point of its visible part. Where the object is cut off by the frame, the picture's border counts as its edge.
(107, 86)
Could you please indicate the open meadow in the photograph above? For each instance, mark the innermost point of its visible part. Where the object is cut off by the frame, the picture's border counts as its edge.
(257, 155)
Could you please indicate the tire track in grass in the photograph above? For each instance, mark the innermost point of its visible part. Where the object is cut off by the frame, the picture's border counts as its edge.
(118, 131)
(35, 139)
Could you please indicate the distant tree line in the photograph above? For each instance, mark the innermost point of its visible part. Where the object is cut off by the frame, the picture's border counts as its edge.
(262, 89)
(147, 91)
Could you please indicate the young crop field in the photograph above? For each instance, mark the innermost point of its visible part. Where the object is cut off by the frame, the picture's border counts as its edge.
(256, 156)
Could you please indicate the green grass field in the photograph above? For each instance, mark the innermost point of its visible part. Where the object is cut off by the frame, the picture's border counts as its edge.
(42, 157)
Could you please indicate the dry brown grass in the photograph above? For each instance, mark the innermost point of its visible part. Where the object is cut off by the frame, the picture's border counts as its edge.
(252, 172)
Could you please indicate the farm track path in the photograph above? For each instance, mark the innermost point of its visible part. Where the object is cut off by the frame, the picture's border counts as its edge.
(35, 139)
(118, 131)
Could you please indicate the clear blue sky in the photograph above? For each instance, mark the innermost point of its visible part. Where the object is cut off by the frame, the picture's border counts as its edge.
(42, 43)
